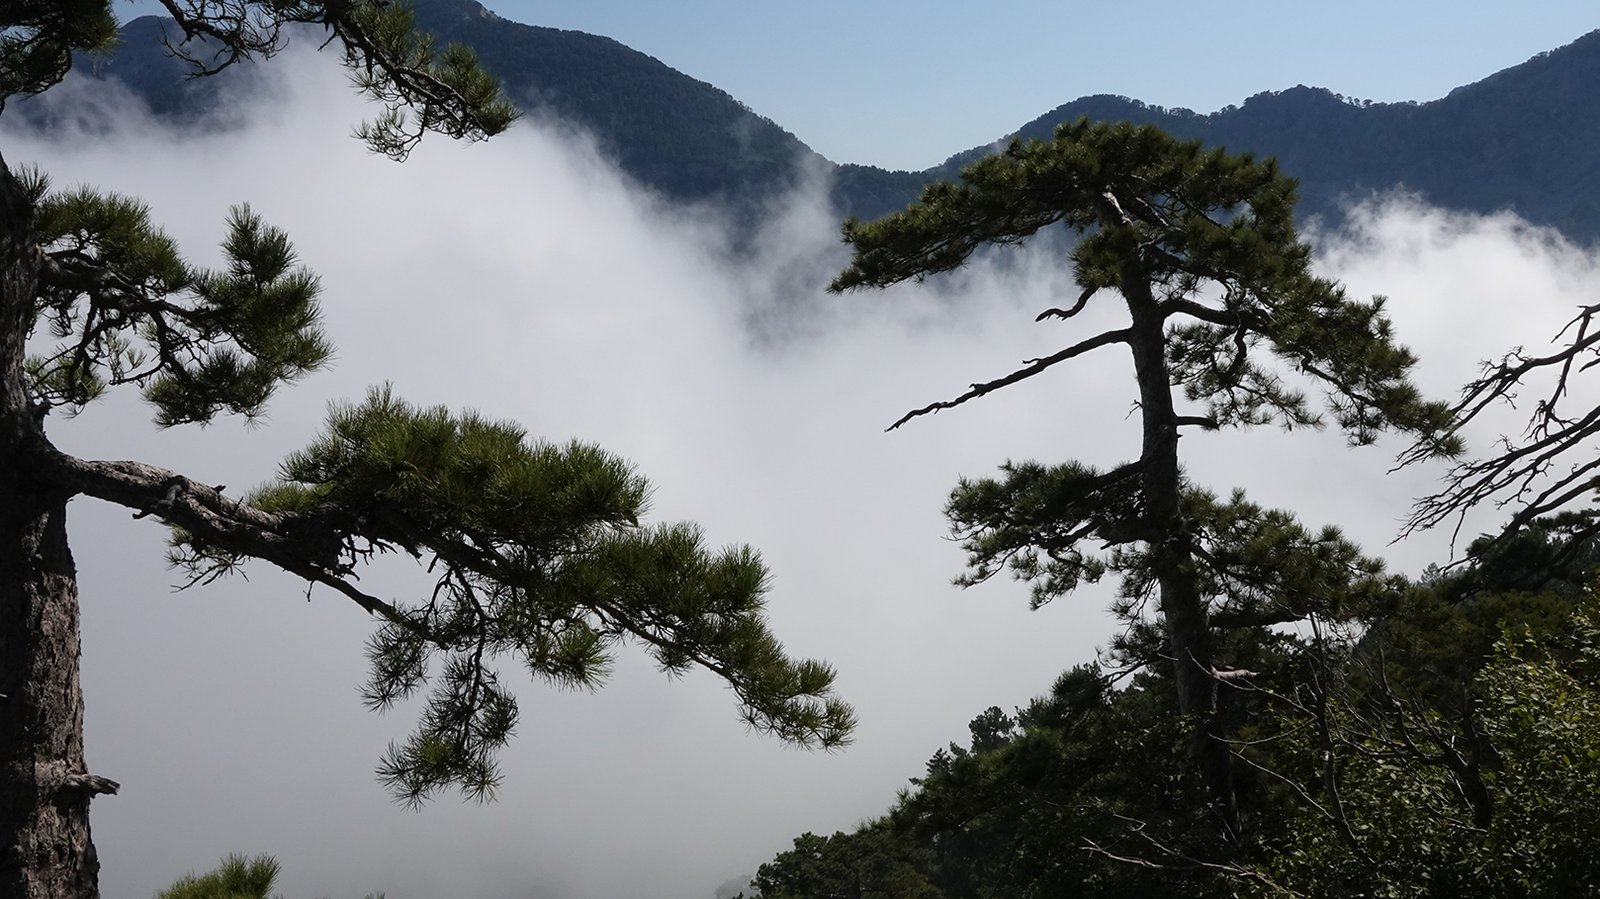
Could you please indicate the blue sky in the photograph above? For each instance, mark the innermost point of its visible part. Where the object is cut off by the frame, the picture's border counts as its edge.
(903, 84)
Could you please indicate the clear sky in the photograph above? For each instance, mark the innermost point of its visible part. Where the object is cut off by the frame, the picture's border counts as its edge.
(905, 84)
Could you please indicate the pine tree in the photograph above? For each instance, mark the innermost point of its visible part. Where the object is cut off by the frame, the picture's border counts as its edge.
(237, 877)
(1200, 246)
(537, 549)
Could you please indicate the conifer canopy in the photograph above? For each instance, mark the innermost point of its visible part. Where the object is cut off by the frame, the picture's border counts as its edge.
(535, 553)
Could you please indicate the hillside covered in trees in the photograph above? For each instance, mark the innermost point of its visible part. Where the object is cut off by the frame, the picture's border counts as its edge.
(1447, 751)
(1517, 140)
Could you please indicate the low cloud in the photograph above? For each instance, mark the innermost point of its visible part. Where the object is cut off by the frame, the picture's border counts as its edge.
(525, 277)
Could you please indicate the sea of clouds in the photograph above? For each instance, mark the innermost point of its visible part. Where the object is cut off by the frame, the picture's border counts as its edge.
(527, 278)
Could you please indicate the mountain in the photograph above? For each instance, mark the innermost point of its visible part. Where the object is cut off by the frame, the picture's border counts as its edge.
(684, 137)
(1525, 139)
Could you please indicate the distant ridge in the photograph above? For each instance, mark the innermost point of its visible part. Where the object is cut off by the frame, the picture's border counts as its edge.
(1525, 139)
(686, 138)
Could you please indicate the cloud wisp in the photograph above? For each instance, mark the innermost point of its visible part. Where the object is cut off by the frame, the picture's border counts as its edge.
(524, 277)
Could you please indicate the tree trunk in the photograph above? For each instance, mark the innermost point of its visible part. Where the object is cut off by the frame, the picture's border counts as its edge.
(1172, 552)
(45, 850)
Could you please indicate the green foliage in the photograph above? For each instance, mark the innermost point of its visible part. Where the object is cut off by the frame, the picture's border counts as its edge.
(1266, 568)
(1033, 815)
(448, 91)
(1201, 245)
(1541, 712)
(1171, 187)
(38, 38)
(1034, 521)
(1432, 647)
(237, 877)
(1042, 804)
(538, 553)
(1427, 740)
(128, 310)
(1192, 223)
(1498, 799)
(869, 863)
(1430, 644)
(1554, 553)
(1357, 778)
(1254, 566)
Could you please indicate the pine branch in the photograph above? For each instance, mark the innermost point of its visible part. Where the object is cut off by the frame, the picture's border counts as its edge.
(1224, 318)
(1083, 300)
(389, 59)
(299, 544)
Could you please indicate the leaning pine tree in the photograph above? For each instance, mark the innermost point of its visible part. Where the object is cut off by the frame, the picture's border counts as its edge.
(1199, 248)
(536, 549)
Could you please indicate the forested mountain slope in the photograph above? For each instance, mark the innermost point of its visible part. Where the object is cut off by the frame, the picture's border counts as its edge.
(1523, 139)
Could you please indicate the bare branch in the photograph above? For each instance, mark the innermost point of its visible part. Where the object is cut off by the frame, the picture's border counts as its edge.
(1181, 862)
(1515, 473)
(1037, 365)
(1083, 300)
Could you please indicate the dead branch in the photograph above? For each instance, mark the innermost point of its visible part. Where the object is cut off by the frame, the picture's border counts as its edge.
(1035, 367)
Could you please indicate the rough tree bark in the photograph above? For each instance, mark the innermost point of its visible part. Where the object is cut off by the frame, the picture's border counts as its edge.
(1171, 544)
(45, 849)
(1168, 534)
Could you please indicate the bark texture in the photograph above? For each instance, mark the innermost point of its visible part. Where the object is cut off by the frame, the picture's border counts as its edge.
(1172, 551)
(45, 849)
(1169, 535)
